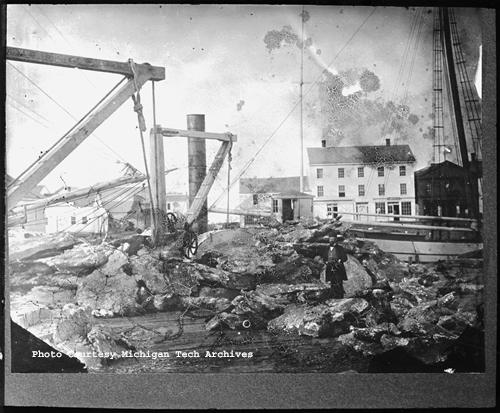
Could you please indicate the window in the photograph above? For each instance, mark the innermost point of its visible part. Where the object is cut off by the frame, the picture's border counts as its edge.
(255, 199)
(402, 188)
(319, 173)
(250, 220)
(361, 190)
(341, 191)
(320, 190)
(275, 205)
(380, 207)
(381, 189)
(428, 188)
(405, 208)
(361, 172)
(84, 220)
(323, 143)
(341, 172)
(73, 220)
(380, 171)
(332, 210)
(402, 170)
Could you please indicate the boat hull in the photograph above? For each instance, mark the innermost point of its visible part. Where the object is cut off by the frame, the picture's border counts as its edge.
(423, 251)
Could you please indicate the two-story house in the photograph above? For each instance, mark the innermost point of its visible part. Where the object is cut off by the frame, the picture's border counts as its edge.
(362, 179)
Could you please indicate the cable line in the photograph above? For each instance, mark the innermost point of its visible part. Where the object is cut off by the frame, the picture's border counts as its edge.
(245, 168)
(69, 114)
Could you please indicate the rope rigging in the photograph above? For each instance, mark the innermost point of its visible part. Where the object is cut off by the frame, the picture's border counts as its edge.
(142, 128)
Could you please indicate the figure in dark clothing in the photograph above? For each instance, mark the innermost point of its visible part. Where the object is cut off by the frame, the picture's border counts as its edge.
(335, 270)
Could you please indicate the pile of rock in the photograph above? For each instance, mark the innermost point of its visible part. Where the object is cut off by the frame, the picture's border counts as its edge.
(270, 278)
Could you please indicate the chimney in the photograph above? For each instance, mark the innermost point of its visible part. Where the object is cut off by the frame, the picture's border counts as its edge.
(323, 143)
(387, 142)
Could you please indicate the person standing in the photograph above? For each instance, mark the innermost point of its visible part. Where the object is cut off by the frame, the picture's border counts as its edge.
(335, 269)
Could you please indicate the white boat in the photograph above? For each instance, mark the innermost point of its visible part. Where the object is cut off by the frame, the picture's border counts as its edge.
(419, 247)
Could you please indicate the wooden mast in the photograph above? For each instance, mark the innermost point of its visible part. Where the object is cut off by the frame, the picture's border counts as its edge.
(471, 190)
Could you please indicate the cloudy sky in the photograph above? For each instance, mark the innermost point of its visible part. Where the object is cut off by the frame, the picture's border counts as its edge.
(240, 66)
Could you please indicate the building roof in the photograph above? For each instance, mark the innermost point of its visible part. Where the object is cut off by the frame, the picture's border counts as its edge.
(272, 185)
(382, 154)
(292, 194)
(445, 169)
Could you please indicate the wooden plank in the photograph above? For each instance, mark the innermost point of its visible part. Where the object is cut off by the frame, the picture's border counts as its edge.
(85, 63)
(403, 225)
(207, 183)
(409, 216)
(240, 212)
(169, 132)
(59, 152)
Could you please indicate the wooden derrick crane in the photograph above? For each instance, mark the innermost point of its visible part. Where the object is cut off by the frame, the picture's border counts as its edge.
(137, 75)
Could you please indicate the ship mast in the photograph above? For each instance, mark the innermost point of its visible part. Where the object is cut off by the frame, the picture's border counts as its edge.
(437, 90)
(302, 15)
(447, 46)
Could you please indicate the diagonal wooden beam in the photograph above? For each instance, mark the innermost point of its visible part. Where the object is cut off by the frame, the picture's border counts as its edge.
(85, 63)
(59, 152)
(202, 194)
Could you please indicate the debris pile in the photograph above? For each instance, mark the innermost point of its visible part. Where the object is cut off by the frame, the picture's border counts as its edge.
(269, 279)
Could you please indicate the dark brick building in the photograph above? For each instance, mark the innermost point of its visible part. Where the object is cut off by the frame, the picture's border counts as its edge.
(447, 185)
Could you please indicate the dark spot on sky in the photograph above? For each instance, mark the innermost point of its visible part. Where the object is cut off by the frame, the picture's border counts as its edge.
(251, 14)
(239, 105)
(318, 51)
(305, 16)
(341, 11)
(369, 81)
(202, 48)
(412, 118)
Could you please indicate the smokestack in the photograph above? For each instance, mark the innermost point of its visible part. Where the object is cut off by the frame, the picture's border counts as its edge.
(197, 165)
(387, 142)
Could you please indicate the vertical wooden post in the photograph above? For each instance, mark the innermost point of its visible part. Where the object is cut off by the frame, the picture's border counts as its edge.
(157, 173)
(197, 162)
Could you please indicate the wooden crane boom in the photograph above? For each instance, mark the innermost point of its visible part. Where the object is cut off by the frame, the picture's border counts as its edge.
(70, 142)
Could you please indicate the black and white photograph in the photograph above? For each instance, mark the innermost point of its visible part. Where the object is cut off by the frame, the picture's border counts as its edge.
(244, 189)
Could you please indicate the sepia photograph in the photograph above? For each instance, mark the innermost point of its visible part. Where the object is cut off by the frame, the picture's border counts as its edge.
(244, 189)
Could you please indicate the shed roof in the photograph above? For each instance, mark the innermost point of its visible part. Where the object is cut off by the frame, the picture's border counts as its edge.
(271, 185)
(292, 194)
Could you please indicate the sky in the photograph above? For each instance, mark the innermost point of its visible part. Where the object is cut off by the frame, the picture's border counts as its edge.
(239, 65)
